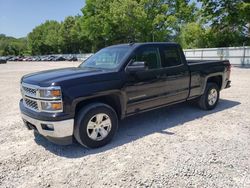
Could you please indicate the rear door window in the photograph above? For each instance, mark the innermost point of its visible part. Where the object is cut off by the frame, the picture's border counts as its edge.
(171, 57)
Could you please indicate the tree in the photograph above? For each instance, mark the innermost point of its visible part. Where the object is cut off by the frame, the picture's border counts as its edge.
(228, 20)
(44, 39)
(69, 36)
(216, 23)
(79, 30)
(110, 22)
(183, 12)
(192, 35)
(94, 20)
(12, 46)
(142, 21)
(107, 22)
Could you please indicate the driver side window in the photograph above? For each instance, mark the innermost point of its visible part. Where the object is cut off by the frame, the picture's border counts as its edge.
(149, 55)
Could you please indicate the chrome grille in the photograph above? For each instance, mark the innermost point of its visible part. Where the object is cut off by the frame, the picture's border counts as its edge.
(31, 104)
(29, 91)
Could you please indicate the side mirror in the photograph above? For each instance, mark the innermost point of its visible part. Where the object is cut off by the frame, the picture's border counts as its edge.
(136, 66)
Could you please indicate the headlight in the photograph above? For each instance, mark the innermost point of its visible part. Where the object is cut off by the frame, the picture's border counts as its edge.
(51, 106)
(46, 95)
(42, 99)
(54, 93)
(51, 93)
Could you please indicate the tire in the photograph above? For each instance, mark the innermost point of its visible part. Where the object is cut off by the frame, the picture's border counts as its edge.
(95, 125)
(208, 101)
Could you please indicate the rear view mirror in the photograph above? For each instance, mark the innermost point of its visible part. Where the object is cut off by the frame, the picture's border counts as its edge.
(136, 66)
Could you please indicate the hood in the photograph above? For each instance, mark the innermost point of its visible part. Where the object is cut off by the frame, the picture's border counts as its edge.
(52, 77)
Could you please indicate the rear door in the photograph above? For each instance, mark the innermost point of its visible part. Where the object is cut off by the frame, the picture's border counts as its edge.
(175, 72)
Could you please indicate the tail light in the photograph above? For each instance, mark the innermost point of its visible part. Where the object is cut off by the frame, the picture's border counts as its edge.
(229, 70)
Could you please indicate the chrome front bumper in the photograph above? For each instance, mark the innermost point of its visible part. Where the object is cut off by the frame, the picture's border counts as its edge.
(61, 129)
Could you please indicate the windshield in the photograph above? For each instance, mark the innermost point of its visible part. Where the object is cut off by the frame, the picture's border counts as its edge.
(107, 58)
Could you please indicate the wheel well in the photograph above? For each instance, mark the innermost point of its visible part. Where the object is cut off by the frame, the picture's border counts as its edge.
(111, 100)
(217, 80)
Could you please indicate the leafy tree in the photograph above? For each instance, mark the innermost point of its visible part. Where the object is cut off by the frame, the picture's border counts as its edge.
(84, 44)
(12, 46)
(192, 35)
(184, 12)
(216, 23)
(110, 22)
(69, 36)
(94, 20)
(44, 39)
(228, 20)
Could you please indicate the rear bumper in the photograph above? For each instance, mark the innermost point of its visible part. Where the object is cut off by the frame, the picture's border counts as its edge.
(59, 132)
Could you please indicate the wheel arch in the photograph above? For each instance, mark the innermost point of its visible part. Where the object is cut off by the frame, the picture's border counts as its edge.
(114, 100)
(213, 78)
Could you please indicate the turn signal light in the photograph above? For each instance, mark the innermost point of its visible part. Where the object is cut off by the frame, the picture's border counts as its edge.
(56, 106)
(56, 93)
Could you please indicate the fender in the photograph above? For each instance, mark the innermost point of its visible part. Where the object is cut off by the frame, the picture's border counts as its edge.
(210, 76)
(121, 96)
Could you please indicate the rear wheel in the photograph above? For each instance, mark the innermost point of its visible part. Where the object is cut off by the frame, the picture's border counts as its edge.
(210, 98)
(95, 125)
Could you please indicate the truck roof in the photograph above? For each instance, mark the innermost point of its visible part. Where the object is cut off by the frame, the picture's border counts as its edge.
(134, 45)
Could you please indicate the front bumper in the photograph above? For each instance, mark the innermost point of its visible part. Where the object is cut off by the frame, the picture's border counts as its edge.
(59, 132)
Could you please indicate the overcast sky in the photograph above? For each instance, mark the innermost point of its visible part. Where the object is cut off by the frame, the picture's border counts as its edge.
(19, 17)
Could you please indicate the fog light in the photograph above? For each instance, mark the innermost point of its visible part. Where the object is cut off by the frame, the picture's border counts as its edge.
(48, 127)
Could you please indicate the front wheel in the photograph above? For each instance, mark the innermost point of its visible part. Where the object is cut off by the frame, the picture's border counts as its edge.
(95, 125)
(210, 98)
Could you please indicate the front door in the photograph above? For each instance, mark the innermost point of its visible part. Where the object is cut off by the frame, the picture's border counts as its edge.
(144, 88)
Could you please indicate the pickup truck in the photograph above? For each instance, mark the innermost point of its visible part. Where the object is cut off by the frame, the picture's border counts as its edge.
(85, 103)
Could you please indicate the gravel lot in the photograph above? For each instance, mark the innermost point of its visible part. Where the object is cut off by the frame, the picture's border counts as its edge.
(177, 146)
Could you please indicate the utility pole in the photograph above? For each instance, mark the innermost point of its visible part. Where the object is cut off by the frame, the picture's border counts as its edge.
(244, 54)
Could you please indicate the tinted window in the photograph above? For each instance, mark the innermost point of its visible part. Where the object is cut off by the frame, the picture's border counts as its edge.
(171, 57)
(150, 55)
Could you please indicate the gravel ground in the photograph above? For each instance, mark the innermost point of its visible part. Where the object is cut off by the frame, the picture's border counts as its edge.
(177, 146)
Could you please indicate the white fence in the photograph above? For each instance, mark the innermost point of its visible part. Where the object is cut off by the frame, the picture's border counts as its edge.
(236, 55)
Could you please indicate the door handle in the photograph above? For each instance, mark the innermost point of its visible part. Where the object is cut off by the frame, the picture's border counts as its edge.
(164, 75)
(158, 76)
(161, 76)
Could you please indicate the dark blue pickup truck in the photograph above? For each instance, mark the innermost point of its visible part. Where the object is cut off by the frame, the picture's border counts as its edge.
(86, 102)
